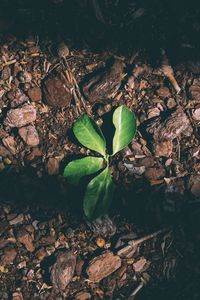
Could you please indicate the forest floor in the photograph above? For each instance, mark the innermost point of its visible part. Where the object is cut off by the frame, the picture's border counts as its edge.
(147, 247)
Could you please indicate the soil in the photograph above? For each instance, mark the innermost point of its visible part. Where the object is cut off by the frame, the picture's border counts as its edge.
(147, 247)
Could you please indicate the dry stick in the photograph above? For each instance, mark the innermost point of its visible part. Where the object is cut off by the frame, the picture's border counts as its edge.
(147, 237)
(169, 73)
(136, 290)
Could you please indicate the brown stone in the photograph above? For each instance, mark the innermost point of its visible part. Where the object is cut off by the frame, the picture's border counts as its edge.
(20, 117)
(163, 148)
(102, 266)
(29, 135)
(35, 94)
(26, 239)
(63, 269)
(57, 90)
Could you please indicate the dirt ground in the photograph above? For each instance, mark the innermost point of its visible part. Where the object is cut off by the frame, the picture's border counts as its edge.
(147, 247)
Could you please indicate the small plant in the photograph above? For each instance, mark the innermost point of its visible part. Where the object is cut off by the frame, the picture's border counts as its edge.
(99, 192)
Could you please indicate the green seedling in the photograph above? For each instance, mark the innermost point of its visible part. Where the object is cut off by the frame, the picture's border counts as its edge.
(99, 191)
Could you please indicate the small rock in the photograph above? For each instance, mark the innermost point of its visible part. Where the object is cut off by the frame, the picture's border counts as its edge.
(53, 166)
(8, 257)
(102, 266)
(57, 90)
(163, 92)
(9, 143)
(35, 94)
(18, 220)
(29, 135)
(20, 117)
(82, 296)
(196, 114)
(163, 148)
(63, 50)
(141, 265)
(63, 270)
(26, 239)
(155, 173)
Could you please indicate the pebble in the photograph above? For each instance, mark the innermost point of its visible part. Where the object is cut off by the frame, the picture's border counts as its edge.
(196, 114)
(163, 92)
(57, 91)
(29, 135)
(20, 117)
(63, 269)
(102, 266)
(163, 148)
(26, 239)
(35, 94)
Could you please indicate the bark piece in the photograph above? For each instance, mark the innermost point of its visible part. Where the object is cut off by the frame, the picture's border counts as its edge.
(102, 266)
(196, 114)
(57, 90)
(53, 165)
(63, 270)
(163, 92)
(163, 148)
(20, 117)
(155, 173)
(9, 143)
(104, 83)
(26, 239)
(35, 94)
(172, 127)
(29, 135)
(141, 265)
(8, 257)
(83, 296)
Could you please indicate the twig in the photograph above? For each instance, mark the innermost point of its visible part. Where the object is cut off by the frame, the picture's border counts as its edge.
(147, 237)
(137, 289)
(169, 73)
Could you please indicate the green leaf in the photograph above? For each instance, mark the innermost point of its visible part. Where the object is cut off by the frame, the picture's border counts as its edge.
(76, 169)
(98, 195)
(89, 134)
(125, 123)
